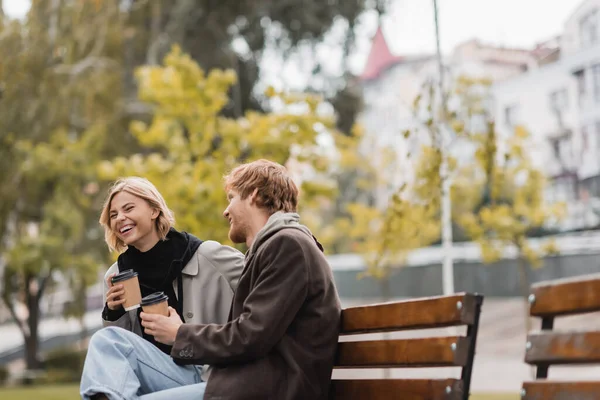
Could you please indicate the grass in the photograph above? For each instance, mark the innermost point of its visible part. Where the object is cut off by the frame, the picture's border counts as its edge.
(71, 392)
(46, 392)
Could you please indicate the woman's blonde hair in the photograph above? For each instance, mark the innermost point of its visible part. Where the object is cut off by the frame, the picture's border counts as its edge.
(144, 189)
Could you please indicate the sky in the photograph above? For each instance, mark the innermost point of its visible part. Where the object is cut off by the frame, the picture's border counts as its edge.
(518, 23)
(409, 27)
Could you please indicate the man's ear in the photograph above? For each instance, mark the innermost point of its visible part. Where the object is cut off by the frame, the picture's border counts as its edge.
(254, 196)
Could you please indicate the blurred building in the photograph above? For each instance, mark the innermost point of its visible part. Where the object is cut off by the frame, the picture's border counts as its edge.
(391, 83)
(553, 90)
(558, 101)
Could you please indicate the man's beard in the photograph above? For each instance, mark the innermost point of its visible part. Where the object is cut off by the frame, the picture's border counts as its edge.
(237, 234)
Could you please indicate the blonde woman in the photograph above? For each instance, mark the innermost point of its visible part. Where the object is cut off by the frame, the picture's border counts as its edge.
(199, 277)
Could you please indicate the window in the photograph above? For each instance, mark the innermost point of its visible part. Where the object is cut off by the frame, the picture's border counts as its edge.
(563, 189)
(581, 92)
(511, 115)
(591, 186)
(588, 29)
(559, 100)
(565, 152)
(596, 82)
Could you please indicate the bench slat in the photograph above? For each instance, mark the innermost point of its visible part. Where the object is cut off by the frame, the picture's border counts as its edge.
(406, 389)
(421, 352)
(566, 296)
(433, 312)
(548, 390)
(563, 348)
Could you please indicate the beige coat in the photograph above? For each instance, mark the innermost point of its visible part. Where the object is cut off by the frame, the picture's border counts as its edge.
(209, 281)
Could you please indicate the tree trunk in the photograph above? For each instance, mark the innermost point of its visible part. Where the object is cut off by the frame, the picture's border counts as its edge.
(32, 293)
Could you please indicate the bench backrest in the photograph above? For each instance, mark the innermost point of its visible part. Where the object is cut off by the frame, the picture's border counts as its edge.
(446, 351)
(549, 300)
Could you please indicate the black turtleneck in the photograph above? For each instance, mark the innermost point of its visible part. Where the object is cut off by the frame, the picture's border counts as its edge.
(157, 269)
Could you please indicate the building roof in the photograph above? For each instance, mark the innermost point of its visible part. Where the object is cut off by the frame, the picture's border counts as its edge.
(380, 57)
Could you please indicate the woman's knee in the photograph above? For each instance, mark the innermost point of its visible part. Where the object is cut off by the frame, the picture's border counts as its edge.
(110, 334)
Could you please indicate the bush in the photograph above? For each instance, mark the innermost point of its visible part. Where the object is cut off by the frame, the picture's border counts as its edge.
(58, 375)
(63, 365)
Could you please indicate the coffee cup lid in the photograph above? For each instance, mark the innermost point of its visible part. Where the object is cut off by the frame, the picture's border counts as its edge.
(124, 275)
(154, 298)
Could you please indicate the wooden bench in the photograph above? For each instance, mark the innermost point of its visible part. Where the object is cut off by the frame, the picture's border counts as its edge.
(447, 351)
(549, 300)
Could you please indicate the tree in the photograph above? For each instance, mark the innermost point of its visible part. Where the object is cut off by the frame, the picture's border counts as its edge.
(512, 204)
(466, 116)
(497, 193)
(188, 146)
(247, 36)
(384, 237)
(57, 111)
(68, 86)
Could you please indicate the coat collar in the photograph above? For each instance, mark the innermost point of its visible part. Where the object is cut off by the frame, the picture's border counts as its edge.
(192, 266)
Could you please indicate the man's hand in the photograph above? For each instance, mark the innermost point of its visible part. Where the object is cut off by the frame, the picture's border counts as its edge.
(164, 329)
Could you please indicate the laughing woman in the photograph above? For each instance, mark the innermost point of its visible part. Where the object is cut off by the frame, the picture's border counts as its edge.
(198, 277)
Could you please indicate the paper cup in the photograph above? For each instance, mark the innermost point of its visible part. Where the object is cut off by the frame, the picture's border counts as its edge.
(156, 303)
(131, 285)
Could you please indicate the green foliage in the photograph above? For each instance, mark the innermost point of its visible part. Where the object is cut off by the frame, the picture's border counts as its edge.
(385, 236)
(59, 115)
(189, 146)
(497, 199)
(515, 205)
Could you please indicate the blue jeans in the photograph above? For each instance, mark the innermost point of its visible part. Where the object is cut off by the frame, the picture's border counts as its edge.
(124, 366)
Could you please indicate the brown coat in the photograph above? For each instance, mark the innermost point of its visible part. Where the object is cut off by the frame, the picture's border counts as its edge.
(281, 339)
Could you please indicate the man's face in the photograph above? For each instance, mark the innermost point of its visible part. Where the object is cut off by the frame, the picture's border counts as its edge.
(237, 213)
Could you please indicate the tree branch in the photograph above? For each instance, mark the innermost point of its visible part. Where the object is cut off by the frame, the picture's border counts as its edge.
(74, 70)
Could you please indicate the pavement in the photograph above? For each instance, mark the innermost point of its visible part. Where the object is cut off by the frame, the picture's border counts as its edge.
(500, 350)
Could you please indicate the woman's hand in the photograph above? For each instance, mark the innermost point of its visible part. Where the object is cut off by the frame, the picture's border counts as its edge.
(114, 299)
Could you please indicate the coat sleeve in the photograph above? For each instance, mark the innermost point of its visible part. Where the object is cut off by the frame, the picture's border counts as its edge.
(268, 311)
(124, 320)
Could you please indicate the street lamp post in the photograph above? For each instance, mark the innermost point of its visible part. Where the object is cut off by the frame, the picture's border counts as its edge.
(444, 142)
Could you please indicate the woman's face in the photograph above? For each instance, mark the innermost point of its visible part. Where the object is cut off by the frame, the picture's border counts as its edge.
(133, 221)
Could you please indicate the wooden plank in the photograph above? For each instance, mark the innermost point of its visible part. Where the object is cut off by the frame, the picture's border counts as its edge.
(563, 348)
(385, 389)
(458, 309)
(548, 390)
(421, 352)
(565, 296)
